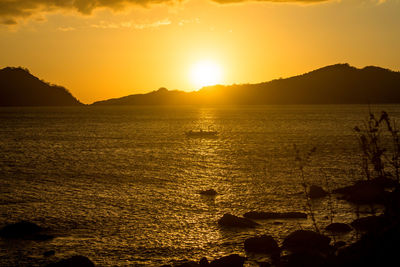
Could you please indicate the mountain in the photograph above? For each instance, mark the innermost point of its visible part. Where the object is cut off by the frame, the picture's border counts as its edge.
(20, 88)
(335, 84)
(160, 97)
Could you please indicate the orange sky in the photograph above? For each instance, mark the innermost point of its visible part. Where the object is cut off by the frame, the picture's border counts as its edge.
(99, 52)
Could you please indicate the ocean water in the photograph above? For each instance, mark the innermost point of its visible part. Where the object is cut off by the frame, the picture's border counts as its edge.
(120, 184)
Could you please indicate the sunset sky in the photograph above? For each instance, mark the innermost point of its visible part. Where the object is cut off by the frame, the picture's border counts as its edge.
(100, 50)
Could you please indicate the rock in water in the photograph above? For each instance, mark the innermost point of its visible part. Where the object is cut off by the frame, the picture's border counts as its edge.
(209, 192)
(229, 220)
(369, 223)
(21, 229)
(305, 239)
(233, 260)
(188, 264)
(49, 253)
(364, 192)
(74, 261)
(305, 258)
(316, 192)
(338, 228)
(204, 262)
(261, 244)
(260, 215)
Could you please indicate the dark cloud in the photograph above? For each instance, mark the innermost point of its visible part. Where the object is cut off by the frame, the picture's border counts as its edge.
(12, 10)
(8, 21)
(16, 9)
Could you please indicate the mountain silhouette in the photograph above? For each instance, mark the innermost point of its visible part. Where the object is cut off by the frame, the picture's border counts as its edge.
(20, 88)
(335, 84)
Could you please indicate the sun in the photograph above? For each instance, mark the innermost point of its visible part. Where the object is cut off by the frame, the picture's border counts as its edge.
(205, 73)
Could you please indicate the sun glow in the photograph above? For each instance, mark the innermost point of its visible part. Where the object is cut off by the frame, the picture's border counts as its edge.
(205, 73)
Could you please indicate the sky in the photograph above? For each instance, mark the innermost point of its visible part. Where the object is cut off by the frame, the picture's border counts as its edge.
(101, 49)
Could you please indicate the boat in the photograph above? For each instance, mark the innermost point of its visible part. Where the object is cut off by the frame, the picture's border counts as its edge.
(202, 133)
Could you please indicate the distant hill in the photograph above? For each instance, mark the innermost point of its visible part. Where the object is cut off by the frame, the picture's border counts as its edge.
(335, 84)
(20, 88)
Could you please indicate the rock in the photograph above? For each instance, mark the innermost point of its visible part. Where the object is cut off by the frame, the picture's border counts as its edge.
(338, 228)
(339, 244)
(204, 262)
(264, 264)
(305, 239)
(74, 261)
(306, 258)
(49, 253)
(23, 229)
(42, 237)
(369, 223)
(260, 215)
(261, 244)
(377, 248)
(233, 260)
(229, 220)
(316, 192)
(188, 264)
(209, 192)
(384, 182)
(364, 192)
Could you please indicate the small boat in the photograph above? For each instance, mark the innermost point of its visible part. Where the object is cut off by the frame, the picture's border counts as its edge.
(202, 133)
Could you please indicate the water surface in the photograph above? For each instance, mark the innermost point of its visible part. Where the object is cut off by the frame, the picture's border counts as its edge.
(120, 184)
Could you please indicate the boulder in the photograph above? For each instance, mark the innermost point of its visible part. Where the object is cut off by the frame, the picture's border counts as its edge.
(229, 220)
(305, 239)
(377, 248)
(74, 261)
(261, 244)
(23, 230)
(369, 223)
(260, 215)
(305, 258)
(364, 192)
(209, 192)
(188, 264)
(42, 237)
(316, 192)
(233, 260)
(204, 262)
(384, 182)
(339, 244)
(49, 253)
(338, 228)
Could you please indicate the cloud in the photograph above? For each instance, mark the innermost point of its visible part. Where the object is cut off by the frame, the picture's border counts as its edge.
(12, 10)
(66, 29)
(130, 24)
(8, 21)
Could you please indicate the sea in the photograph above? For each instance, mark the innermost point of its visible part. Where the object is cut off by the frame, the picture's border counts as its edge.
(120, 185)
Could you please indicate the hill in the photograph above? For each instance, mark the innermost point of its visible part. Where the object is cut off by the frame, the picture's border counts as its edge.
(20, 88)
(335, 84)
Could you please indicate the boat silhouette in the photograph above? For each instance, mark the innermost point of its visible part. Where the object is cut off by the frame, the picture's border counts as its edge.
(202, 133)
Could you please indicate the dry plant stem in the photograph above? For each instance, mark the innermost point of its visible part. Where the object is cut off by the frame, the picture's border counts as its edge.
(394, 160)
(330, 202)
(301, 161)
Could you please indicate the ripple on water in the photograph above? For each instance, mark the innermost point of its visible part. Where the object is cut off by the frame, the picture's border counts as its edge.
(120, 185)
